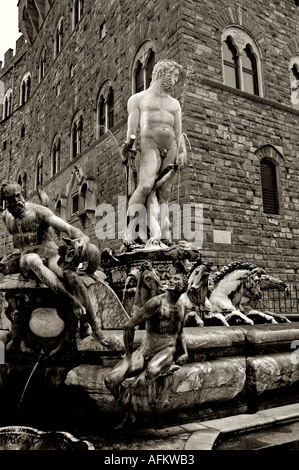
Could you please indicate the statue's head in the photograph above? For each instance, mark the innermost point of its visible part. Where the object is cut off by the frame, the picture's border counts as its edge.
(13, 196)
(169, 70)
(178, 282)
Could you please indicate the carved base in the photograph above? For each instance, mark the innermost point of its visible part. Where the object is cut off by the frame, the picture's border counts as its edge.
(42, 322)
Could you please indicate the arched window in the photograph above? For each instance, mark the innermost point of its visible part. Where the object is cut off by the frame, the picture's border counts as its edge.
(102, 116)
(55, 166)
(22, 181)
(58, 208)
(294, 81)
(230, 64)
(7, 104)
(77, 135)
(149, 67)
(270, 161)
(42, 64)
(25, 88)
(59, 37)
(249, 70)
(39, 171)
(78, 6)
(105, 108)
(241, 61)
(139, 77)
(142, 67)
(110, 108)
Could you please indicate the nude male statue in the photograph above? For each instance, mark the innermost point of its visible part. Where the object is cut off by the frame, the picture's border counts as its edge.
(163, 345)
(155, 117)
(33, 227)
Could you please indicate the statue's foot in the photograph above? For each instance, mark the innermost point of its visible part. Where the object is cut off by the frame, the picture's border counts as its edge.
(78, 309)
(99, 335)
(129, 245)
(154, 243)
(126, 423)
(24, 348)
(173, 369)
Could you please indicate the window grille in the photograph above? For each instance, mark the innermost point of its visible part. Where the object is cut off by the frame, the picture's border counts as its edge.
(269, 187)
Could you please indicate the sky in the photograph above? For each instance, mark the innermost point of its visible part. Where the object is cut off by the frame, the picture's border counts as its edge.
(9, 30)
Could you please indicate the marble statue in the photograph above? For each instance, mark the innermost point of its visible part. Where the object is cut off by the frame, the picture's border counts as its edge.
(154, 118)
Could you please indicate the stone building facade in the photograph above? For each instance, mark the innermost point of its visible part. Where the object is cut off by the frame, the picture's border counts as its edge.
(63, 116)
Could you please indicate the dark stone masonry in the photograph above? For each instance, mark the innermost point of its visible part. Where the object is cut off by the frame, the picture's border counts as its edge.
(229, 130)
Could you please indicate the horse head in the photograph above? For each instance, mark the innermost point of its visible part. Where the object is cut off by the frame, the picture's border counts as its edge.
(148, 285)
(150, 278)
(198, 281)
(252, 283)
(271, 282)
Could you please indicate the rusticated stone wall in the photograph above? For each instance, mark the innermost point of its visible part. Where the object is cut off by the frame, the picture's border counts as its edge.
(228, 130)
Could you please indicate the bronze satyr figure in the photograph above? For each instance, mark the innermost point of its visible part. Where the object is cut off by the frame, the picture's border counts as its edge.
(163, 346)
(33, 227)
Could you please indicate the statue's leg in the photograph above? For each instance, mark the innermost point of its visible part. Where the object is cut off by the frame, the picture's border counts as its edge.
(75, 283)
(153, 216)
(159, 364)
(129, 366)
(163, 193)
(150, 162)
(32, 262)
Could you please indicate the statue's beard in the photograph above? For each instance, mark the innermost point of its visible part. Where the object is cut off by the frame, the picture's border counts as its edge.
(17, 210)
(168, 83)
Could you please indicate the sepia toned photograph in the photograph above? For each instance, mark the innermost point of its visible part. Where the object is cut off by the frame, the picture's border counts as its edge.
(149, 228)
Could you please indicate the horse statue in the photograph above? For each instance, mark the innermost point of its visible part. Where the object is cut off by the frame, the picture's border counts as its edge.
(221, 306)
(194, 300)
(148, 285)
(249, 305)
(228, 289)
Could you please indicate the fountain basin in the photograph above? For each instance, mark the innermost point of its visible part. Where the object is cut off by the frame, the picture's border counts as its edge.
(27, 438)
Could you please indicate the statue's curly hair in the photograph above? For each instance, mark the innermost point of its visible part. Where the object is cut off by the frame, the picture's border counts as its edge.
(163, 66)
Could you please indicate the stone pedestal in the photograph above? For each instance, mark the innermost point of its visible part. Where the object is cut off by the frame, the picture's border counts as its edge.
(43, 322)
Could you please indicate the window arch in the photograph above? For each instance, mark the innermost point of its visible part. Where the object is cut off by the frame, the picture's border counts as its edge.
(39, 171)
(294, 81)
(55, 155)
(269, 165)
(105, 108)
(241, 61)
(59, 37)
(77, 135)
(142, 67)
(25, 88)
(42, 64)
(7, 104)
(249, 71)
(230, 63)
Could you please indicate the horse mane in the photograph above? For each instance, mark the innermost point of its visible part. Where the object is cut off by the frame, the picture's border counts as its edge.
(230, 268)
